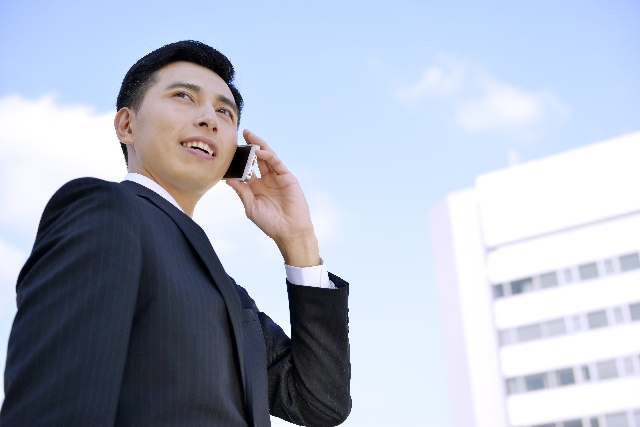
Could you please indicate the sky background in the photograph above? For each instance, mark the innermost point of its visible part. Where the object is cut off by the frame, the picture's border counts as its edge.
(379, 108)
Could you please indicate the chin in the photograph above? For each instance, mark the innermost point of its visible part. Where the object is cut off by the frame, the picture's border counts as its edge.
(203, 182)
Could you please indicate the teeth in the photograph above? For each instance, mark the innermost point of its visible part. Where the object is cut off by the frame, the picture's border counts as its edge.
(201, 145)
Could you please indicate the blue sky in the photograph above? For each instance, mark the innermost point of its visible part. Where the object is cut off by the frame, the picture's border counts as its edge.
(379, 108)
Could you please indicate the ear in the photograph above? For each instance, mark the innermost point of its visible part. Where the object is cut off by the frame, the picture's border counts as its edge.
(123, 125)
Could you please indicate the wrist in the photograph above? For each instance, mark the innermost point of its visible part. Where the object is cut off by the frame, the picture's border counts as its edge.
(301, 250)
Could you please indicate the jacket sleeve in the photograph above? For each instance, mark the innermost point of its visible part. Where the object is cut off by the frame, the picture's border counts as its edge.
(309, 375)
(76, 297)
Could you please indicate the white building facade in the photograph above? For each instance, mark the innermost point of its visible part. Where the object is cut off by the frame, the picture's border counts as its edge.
(538, 275)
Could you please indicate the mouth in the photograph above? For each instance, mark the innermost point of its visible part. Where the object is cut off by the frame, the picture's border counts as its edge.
(200, 146)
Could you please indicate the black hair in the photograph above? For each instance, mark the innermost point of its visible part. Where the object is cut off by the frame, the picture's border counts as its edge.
(142, 75)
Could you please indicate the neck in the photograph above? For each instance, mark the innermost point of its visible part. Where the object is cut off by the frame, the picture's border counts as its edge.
(186, 198)
(188, 204)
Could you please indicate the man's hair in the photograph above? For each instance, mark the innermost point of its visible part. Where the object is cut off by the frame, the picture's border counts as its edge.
(143, 74)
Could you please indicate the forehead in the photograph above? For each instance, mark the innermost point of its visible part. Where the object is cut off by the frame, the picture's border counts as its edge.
(188, 72)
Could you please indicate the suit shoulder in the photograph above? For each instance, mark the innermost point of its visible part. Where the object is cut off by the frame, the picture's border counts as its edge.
(92, 197)
(88, 186)
(90, 189)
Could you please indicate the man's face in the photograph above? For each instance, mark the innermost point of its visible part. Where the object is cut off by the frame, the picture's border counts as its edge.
(185, 131)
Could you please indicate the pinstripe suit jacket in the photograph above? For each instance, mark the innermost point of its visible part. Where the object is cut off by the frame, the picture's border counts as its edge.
(127, 318)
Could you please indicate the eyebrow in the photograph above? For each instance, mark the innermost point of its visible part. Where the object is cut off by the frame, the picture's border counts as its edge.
(198, 89)
(184, 85)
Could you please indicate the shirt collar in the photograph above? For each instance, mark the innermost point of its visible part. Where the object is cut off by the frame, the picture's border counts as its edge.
(153, 186)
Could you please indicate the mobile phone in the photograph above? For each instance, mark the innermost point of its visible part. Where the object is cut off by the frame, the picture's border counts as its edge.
(241, 167)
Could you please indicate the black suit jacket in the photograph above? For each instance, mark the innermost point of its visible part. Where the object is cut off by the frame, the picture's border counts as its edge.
(127, 318)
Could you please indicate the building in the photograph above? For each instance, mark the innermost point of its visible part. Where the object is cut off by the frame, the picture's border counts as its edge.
(538, 275)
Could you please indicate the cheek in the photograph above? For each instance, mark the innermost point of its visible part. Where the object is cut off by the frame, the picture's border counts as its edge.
(227, 153)
(229, 148)
(161, 133)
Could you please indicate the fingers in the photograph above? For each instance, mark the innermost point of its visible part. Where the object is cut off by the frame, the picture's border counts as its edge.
(273, 163)
(268, 161)
(252, 138)
(251, 183)
(263, 167)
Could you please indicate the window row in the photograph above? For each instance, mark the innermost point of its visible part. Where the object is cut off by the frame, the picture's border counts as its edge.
(618, 419)
(583, 272)
(570, 324)
(597, 371)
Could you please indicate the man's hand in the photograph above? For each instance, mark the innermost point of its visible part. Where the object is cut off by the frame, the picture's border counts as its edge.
(276, 204)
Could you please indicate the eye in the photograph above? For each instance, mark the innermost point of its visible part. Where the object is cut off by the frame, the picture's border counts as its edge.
(184, 95)
(225, 111)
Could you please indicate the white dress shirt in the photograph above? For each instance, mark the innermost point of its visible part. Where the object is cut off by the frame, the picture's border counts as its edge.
(316, 276)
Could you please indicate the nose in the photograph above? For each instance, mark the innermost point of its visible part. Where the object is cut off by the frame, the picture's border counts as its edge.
(207, 118)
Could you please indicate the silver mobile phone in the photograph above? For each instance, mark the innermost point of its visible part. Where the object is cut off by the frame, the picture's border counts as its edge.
(241, 167)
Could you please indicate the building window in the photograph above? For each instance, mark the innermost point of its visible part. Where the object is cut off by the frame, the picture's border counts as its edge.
(588, 271)
(585, 373)
(548, 280)
(628, 366)
(567, 275)
(594, 422)
(617, 420)
(565, 377)
(607, 370)
(535, 382)
(636, 416)
(597, 319)
(528, 333)
(521, 286)
(545, 425)
(608, 266)
(512, 386)
(617, 313)
(556, 327)
(572, 423)
(629, 262)
(504, 337)
(635, 311)
(498, 292)
(576, 323)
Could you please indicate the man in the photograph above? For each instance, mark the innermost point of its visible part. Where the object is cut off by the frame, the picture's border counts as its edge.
(125, 315)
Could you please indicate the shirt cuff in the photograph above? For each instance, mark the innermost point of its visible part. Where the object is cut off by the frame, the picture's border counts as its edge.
(316, 276)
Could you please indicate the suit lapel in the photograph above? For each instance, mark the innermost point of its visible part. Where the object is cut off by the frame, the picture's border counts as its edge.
(200, 242)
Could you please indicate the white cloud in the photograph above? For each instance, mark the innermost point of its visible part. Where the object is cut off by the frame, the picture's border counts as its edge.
(503, 107)
(439, 80)
(481, 103)
(43, 145)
